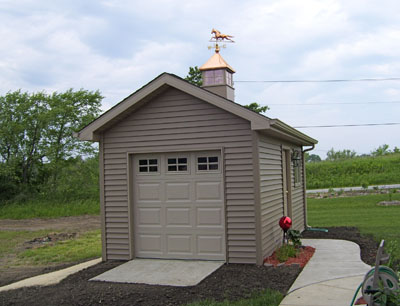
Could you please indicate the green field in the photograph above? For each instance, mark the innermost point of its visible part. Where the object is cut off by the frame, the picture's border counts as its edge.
(359, 171)
(382, 222)
(49, 209)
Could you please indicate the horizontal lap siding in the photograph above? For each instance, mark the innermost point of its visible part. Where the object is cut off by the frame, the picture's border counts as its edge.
(298, 200)
(177, 121)
(271, 194)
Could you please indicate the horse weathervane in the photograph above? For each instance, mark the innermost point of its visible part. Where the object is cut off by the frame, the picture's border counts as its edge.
(219, 37)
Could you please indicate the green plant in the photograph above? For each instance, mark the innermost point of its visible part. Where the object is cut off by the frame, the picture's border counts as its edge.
(391, 192)
(294, 236)
(354, 172)
(386, 297)
(364, 185)
(392, 247)
(266, 297)
(285, 252)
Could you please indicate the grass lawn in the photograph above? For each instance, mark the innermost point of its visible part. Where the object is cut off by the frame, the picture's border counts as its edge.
(47, 209)
(265, 298)
(86, 246)
(10, 239)
(382, 222)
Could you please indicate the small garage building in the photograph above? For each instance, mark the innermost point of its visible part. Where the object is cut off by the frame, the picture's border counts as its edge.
(186, 173)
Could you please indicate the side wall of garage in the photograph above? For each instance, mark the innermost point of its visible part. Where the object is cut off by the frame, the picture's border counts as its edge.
(271, 194)
(177, 121)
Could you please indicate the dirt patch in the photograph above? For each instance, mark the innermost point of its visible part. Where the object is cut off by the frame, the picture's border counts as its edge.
(231, 282)
(79, 223)
(48, 240)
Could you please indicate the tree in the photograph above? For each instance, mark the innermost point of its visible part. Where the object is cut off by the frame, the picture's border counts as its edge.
(333, 155)
(381, 150)
(312, 158)
(36, 134)
(194, 76)
(255, 107)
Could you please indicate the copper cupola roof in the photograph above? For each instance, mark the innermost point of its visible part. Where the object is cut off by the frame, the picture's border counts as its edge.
(216, 62)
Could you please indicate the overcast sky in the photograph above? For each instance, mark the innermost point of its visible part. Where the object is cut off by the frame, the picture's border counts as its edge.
(118, 46)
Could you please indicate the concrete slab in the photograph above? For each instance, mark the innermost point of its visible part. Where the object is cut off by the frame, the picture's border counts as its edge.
(51, 278)
(332, 259)
(161, 272)
(337, 292)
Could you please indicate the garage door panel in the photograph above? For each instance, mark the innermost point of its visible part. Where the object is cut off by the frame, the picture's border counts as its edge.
(179, 214)
(208, 191)
(177, 192)
(179, 244)
(178, 217)
(149, 217)
(148, 191)
(210, 244)
(149, 243)
(210, 217)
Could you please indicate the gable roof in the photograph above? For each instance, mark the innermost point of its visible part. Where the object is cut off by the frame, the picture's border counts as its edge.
(261, 123)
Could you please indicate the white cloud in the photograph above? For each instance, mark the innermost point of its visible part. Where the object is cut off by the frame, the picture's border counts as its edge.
(117, 46)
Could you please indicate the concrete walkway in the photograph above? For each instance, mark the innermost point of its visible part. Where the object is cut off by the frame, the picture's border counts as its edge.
(51, 278)
(161, 272)
(331, 277)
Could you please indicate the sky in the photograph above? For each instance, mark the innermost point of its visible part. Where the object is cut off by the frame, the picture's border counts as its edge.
(117, 46)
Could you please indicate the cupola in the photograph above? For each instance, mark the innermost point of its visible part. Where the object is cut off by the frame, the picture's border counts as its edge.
(217, 76)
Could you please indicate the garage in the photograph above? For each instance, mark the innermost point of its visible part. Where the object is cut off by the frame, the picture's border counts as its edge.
(178, 200)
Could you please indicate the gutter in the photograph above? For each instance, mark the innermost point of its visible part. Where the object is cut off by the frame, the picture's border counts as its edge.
(276, 123)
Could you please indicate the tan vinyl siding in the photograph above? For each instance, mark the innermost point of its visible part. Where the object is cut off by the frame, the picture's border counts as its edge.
(177, 121)
(271, 194)
(298, 201)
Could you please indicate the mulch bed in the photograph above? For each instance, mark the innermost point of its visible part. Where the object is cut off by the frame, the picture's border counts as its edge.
(301, 259)
(231, 282)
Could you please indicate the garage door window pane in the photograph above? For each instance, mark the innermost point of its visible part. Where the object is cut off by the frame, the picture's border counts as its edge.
(148, 165)
(209, 163)
(178, 164)
(171, 168)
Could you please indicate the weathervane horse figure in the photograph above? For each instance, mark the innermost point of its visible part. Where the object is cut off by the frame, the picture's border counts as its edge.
(220, 37)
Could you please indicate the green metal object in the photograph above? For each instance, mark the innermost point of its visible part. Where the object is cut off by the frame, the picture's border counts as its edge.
(314, 229)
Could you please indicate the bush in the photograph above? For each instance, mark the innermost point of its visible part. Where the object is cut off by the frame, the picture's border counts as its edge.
(285, 252)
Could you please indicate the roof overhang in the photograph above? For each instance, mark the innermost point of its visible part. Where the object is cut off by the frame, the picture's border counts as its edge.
(164, 81)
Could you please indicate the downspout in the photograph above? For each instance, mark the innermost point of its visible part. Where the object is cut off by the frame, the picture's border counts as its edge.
(304, 185)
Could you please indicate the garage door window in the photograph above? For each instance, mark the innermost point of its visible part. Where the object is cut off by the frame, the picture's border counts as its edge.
(207, 163)
(148, 165)
(177, 164)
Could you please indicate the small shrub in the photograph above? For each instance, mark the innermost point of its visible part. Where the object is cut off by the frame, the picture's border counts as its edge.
(294, 236)
(285, 252)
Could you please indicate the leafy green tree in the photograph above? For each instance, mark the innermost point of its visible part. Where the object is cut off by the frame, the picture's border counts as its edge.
(36, 135)
(381, 150)
(333, 155)
(312, 158)
(255, 107)
(194, 76)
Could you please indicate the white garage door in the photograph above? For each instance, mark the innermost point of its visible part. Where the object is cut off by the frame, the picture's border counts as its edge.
(179, 206)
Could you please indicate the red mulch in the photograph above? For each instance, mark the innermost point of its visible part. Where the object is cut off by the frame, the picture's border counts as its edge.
(302, 257)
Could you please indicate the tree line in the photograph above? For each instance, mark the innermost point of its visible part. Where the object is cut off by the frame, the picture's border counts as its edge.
(333, 155)
(37, 145)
